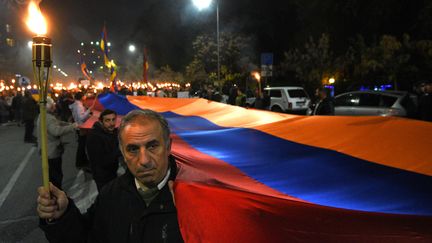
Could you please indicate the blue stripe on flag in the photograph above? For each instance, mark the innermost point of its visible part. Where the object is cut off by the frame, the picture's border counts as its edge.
(317, 175)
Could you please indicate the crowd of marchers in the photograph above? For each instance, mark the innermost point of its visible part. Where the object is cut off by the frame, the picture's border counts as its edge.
(97, 148)
(141, 143)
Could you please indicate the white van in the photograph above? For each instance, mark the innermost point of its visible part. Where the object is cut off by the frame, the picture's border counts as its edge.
(288, 99)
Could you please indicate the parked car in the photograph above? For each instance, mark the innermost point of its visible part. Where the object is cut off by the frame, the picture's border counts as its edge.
(374, 103)
(285, 99)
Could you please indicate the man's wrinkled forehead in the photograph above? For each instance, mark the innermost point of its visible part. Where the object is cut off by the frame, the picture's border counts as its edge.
(143, 121)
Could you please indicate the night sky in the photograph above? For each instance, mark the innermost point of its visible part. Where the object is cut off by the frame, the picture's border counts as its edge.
(168, 27)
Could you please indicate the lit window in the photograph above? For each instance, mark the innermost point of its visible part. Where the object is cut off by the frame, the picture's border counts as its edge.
(10, 42)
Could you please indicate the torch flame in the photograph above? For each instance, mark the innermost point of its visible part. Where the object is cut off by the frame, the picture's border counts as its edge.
(257, 76)
(35, 20)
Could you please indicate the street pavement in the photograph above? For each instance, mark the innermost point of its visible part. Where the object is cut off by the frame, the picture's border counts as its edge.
(20, 176)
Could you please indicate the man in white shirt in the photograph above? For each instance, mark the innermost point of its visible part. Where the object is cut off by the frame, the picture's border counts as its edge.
(80, 114)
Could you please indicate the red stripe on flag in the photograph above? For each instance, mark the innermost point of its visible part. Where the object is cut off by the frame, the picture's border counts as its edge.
(213, 214)
(196, 166)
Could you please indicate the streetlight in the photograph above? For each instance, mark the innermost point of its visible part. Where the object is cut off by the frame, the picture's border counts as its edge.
(203, 4)
(132, 48)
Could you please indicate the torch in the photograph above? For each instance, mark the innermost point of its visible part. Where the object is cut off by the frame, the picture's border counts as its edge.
(257, 76)
(41, 58)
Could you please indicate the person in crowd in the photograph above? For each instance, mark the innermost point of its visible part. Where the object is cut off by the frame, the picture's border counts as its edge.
(55, 131)
(16, 107)
(240, 99)
(64, 101)
(9, 97)
(160, 93)
(80, 114)
(29, 113)
(232, 95)
(262, 100)
(425, 102)
(102, 148)
(4, 114)
(216, 94)
(325, 105)
(135, 207)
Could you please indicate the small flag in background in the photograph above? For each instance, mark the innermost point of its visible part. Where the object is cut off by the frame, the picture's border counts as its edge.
(84, 70)
(113, 86)
(104, 46)
(110, 64)
(145, 65)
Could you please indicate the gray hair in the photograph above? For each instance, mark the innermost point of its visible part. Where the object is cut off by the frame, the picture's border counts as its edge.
(49, 103)
(149, 114)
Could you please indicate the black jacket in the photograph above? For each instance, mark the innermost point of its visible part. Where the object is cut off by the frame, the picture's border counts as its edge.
(103, 152)
(425, 107)
(119, 215)
(325, 107)
(29, 108)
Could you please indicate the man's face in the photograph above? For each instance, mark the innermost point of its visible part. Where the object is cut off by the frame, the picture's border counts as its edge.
(108, 122)
(428, 88)
(145, 151)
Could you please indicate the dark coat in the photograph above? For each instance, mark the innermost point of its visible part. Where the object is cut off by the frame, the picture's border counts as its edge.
(425, 107)
(16, 102)
(325, 107)
(103, 152)
(29, 108)
(119, 215)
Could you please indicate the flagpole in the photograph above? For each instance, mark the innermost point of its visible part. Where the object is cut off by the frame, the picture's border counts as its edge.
(145, 65)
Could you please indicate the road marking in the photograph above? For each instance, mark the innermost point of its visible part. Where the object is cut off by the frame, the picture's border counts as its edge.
(15, 177)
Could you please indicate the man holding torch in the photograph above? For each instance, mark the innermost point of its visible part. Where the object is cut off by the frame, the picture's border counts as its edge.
(135, 207)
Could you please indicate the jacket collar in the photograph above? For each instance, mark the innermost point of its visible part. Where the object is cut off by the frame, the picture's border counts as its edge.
(128, 180)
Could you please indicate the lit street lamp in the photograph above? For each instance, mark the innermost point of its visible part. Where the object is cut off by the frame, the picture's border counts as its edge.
(132, 48)
(203, 4)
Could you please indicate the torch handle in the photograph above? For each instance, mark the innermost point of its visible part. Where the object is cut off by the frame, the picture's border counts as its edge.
(41, 57)
(259, 88)
(43, 144)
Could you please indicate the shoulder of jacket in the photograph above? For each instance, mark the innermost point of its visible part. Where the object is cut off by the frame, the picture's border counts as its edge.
(118, 185)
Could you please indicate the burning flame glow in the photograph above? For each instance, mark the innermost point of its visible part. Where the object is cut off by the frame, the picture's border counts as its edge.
(35, 20)
(257, 76)
(99, 86)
